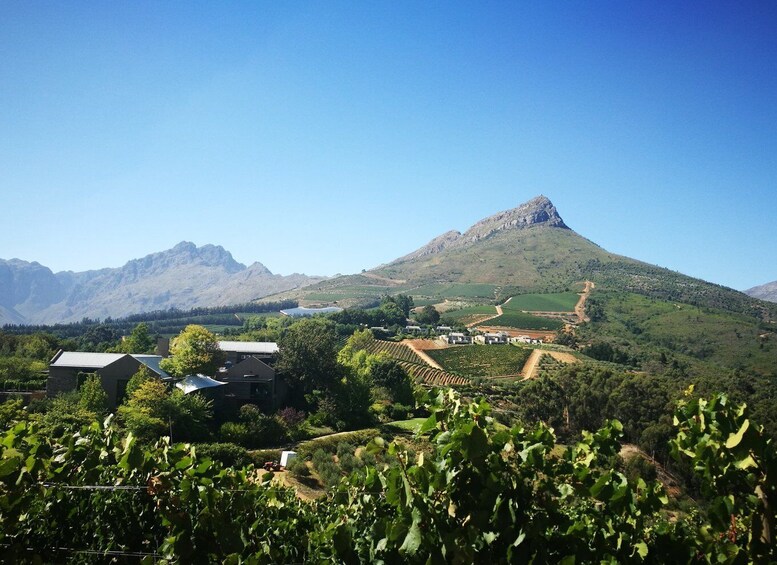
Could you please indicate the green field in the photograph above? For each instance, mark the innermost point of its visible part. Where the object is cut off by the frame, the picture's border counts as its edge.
(525, 322)
(469, 312)
(558, 302)
(456, 290)
(481, 360)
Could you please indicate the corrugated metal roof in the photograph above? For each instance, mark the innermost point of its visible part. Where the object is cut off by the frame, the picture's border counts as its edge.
(152, 362)
(86, 359)
(89, 360)
(197, 382)
(265, 347)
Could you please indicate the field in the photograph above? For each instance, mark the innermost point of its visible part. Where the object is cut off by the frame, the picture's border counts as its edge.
(455, 290)
(559, 302)
(465, 314)
(516, 319)
(415, 366)
(482, 360)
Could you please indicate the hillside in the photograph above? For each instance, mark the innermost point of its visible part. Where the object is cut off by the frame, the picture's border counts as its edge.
(529, 249)
(766, 291)
(184, 277)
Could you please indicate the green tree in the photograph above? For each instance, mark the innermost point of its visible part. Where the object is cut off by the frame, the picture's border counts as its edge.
(195, 350)
(308, 356)
(92, 395)
(428, 315)
(139, 341)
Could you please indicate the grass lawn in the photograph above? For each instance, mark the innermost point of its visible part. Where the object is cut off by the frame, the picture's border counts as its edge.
(481, 360)
(559, 302)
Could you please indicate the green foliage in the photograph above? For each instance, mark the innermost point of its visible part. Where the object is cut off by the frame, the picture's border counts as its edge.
(483, 494)
(428, 315)
(194, 351)
(308, 355)
(152, 411)
(12, 410)
(92, 395)
(481, 360)
(255, 429)
(101, 492)
(139, 341)
(515, 319)
(737, 467)
(555, 302)
(144, 374)
(228, 454)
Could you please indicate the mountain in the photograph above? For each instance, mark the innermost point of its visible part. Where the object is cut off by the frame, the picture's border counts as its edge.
(766, 291)
(523, 250)
(185, 276)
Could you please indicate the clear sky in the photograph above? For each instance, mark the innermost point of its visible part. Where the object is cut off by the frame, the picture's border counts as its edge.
(329, 137)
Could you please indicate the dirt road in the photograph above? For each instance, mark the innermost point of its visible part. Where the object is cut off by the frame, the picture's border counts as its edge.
(580, 306)
(420, 352)
(499, 312)
(533, 362)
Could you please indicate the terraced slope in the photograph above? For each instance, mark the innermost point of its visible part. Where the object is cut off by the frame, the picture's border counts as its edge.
(416, 366)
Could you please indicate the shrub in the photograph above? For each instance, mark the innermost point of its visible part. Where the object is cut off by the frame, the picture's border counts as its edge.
(298, 467)
(228, 454)
(234, 432)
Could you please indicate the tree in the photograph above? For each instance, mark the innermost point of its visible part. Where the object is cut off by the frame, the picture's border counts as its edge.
(195, 350)
(428, 315)
(308, 356)
(139, 341)
(92, 395)
(152, 411)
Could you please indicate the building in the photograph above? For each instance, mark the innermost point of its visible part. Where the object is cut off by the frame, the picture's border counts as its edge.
(249, 372)
(457, 338)
(497, 338)
(67, 370)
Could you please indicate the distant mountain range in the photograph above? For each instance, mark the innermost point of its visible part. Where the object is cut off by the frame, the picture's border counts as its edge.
(766, 291)
(526, 249)
(185, 276)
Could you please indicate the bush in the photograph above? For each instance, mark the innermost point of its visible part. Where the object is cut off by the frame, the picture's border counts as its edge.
(399, 411)
(298, 467)
(234, 432)
(228, 454)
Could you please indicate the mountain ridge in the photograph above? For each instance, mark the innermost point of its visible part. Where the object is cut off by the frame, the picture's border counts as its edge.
(767, 291)
(184, 276)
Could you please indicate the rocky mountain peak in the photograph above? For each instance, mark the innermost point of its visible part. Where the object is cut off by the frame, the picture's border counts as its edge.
(537, 211)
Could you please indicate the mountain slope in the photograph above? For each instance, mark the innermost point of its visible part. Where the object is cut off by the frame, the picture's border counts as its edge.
(527, 249)
(185, 276)
(766, 291)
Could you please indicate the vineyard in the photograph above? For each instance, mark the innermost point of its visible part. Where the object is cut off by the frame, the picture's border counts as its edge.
(416, 366)
(520, 320)
(482, 493)
(559, 302)
(482, 360)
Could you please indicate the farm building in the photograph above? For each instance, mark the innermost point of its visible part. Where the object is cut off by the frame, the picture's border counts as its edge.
(497, 338)
(457, 338)
(114, 370)
(249, 372)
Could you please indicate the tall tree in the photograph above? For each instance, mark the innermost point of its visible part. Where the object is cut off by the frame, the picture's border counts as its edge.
(308, 355)
(195, 350)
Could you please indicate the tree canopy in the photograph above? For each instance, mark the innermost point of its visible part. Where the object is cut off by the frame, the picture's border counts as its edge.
(194, 350)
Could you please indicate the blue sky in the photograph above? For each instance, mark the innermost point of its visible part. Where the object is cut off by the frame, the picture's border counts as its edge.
(330, 137)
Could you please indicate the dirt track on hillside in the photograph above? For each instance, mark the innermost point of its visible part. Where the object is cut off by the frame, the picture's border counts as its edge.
(532, 363)
(420, 352)
(580, 306)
